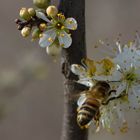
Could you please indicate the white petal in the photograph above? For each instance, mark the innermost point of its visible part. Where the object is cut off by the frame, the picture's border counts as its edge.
(116, 75)
(105, 118)
(101, 78)
(137, 72)
(119, 47)
(127, 57)
(65, 39)
(48, 38)
(42, 16)
(134, 97)
(70, 23)
(111, 115)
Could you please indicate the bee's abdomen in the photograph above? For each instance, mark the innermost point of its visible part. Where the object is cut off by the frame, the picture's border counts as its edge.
(87, 112)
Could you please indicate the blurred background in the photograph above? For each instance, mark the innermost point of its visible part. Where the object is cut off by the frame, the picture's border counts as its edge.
(31, 84)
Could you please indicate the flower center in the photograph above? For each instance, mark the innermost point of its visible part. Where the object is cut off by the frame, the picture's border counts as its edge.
(130, 77)
(59, 26)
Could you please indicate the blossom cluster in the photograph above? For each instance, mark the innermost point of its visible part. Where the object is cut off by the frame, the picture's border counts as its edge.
(122, 73)
(48, 25)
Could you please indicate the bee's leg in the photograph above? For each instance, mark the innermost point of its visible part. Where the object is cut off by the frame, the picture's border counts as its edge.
(96, 118)
(112, 98)
(111, 91)
(97, 126)
(87, 126)
(106, 101)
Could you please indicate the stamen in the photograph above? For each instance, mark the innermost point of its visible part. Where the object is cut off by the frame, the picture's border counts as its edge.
(50, 40)
(119, 46)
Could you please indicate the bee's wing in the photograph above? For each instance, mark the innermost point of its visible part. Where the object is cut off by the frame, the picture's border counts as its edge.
(81, 99)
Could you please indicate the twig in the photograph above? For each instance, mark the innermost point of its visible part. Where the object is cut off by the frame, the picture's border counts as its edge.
(73, 55)
(35, 21)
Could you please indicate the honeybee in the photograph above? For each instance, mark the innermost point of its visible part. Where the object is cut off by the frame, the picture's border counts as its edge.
(90, 101)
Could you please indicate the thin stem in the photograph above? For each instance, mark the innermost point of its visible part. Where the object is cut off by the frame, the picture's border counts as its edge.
(35, 21)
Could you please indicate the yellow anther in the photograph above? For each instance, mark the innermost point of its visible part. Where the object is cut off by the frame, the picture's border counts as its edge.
(40, 35)
(91, 68)
(62, 45)
(61, 16)
(70, 21)
(58, 14)
(50, 39)
(62, 35)
(62, 27)
(130, 43)
(107, 65)
(42, 26)
(74, 28)
(124, 127)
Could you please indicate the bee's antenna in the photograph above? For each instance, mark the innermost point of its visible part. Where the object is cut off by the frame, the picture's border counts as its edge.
(113, 81)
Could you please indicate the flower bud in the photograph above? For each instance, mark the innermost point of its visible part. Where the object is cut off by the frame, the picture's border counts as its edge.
(32, 12)
(35, 34)
(42, 26)
(52, 11)
(53, 50)
(25, 31)
(24, 14)
(41, 3)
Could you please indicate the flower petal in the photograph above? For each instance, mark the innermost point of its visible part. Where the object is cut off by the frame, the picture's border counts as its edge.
(127, 57)
(65, 39)
(134, 97)
(42, 16)
(90, 66)
(48, 38)
(102, 78)
(112, 115)
(70, 23)
(120, 89)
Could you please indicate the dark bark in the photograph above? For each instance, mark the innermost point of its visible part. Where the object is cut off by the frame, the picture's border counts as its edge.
(73, 55)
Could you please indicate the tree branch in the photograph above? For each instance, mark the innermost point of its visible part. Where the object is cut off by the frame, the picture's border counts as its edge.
(73, 55)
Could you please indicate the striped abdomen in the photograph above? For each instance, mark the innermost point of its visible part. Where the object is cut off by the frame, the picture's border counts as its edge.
(88, 111)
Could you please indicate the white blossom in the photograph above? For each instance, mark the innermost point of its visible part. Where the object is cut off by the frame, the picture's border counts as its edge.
(57, 30)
